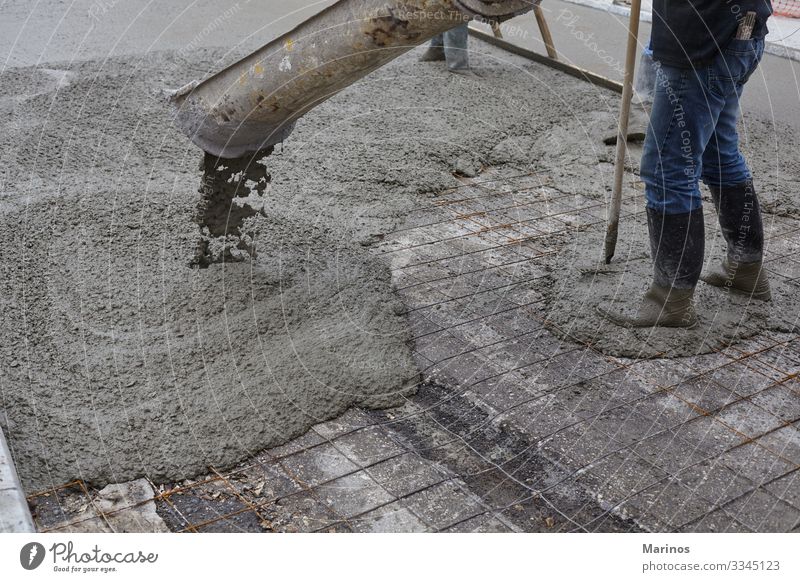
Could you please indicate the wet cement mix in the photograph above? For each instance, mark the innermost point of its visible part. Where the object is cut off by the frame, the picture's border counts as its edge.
(579, 279)
(581, 283)
(137, 342)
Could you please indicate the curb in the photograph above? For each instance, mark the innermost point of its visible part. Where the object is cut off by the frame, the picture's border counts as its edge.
(780, 50)
(646, 16)
(15, 517)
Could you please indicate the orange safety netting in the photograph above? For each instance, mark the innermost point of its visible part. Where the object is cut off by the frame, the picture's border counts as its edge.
(789, 8)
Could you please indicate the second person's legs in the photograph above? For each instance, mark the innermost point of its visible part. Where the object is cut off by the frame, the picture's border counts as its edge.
(435, 51)
(455, 48)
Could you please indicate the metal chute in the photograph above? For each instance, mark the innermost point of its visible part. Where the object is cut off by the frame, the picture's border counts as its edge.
(254, 103)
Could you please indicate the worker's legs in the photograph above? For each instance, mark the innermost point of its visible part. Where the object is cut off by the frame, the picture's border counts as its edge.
(726, 174)
(435, 50)
(455, 48)
(684, 116)
(723, 163)
(730, 181)
(450, 46)
(681, 122)
(677, 244)
(691, 106)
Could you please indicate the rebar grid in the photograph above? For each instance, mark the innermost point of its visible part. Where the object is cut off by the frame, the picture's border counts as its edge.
(514, 429)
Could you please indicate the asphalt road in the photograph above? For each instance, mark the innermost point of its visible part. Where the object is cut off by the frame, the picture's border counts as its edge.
(41, 31)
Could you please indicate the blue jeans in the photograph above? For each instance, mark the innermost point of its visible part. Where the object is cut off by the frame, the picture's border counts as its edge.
(454, 42)
(692, 132)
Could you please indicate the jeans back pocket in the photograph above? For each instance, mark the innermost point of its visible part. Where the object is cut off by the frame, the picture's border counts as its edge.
(734, 64)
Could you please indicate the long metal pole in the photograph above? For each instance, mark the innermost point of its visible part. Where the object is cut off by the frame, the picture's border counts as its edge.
(622, 137)
(544, 28)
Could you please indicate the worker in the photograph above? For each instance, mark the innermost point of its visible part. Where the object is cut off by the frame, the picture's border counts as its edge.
(450, 46)
(705, 52)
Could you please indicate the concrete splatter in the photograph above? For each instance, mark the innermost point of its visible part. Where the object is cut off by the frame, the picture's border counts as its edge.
(230, 192)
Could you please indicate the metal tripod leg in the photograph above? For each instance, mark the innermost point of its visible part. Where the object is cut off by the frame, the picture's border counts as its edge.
(545, 30)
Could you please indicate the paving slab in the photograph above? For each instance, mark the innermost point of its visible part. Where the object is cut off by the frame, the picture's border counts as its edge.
(318, 465)
(300, 513)
(787, 488)
(717, 521)
(784, 442)
(667, 505)
(392, 518)
(486, 523)
(407, 474)
(756, 463)
(368, 446)
(353, 495)
(759, 508)
(442, 505)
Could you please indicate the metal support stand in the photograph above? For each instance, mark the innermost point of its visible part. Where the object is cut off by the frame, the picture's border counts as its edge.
(544, 29)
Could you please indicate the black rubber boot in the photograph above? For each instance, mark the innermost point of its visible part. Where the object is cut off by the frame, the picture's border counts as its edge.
(740, 220)
(677, 244)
